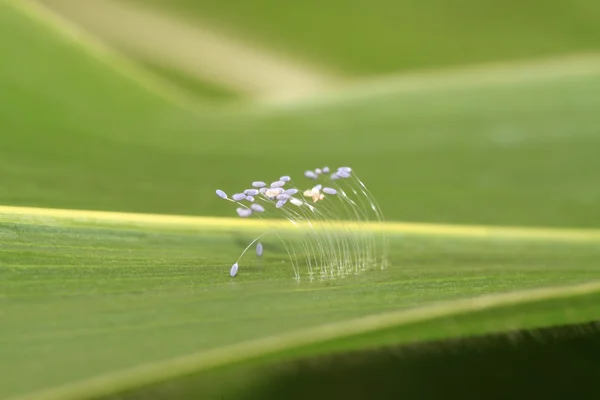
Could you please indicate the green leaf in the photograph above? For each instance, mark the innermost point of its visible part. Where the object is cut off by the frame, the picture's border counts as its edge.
(100, 304)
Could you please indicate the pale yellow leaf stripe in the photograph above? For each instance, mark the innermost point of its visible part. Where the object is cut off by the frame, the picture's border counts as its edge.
(215, 223)
(90, 46)
(198, 50)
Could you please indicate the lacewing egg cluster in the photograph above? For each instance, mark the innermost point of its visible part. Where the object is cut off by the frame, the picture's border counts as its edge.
(278, 196)
(333, 198)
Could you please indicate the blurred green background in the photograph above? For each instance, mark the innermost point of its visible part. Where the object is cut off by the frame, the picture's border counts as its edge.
(385, 36)
(454, 111)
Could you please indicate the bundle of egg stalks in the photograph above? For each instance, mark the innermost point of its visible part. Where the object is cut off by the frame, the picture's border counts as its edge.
(336, 220)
